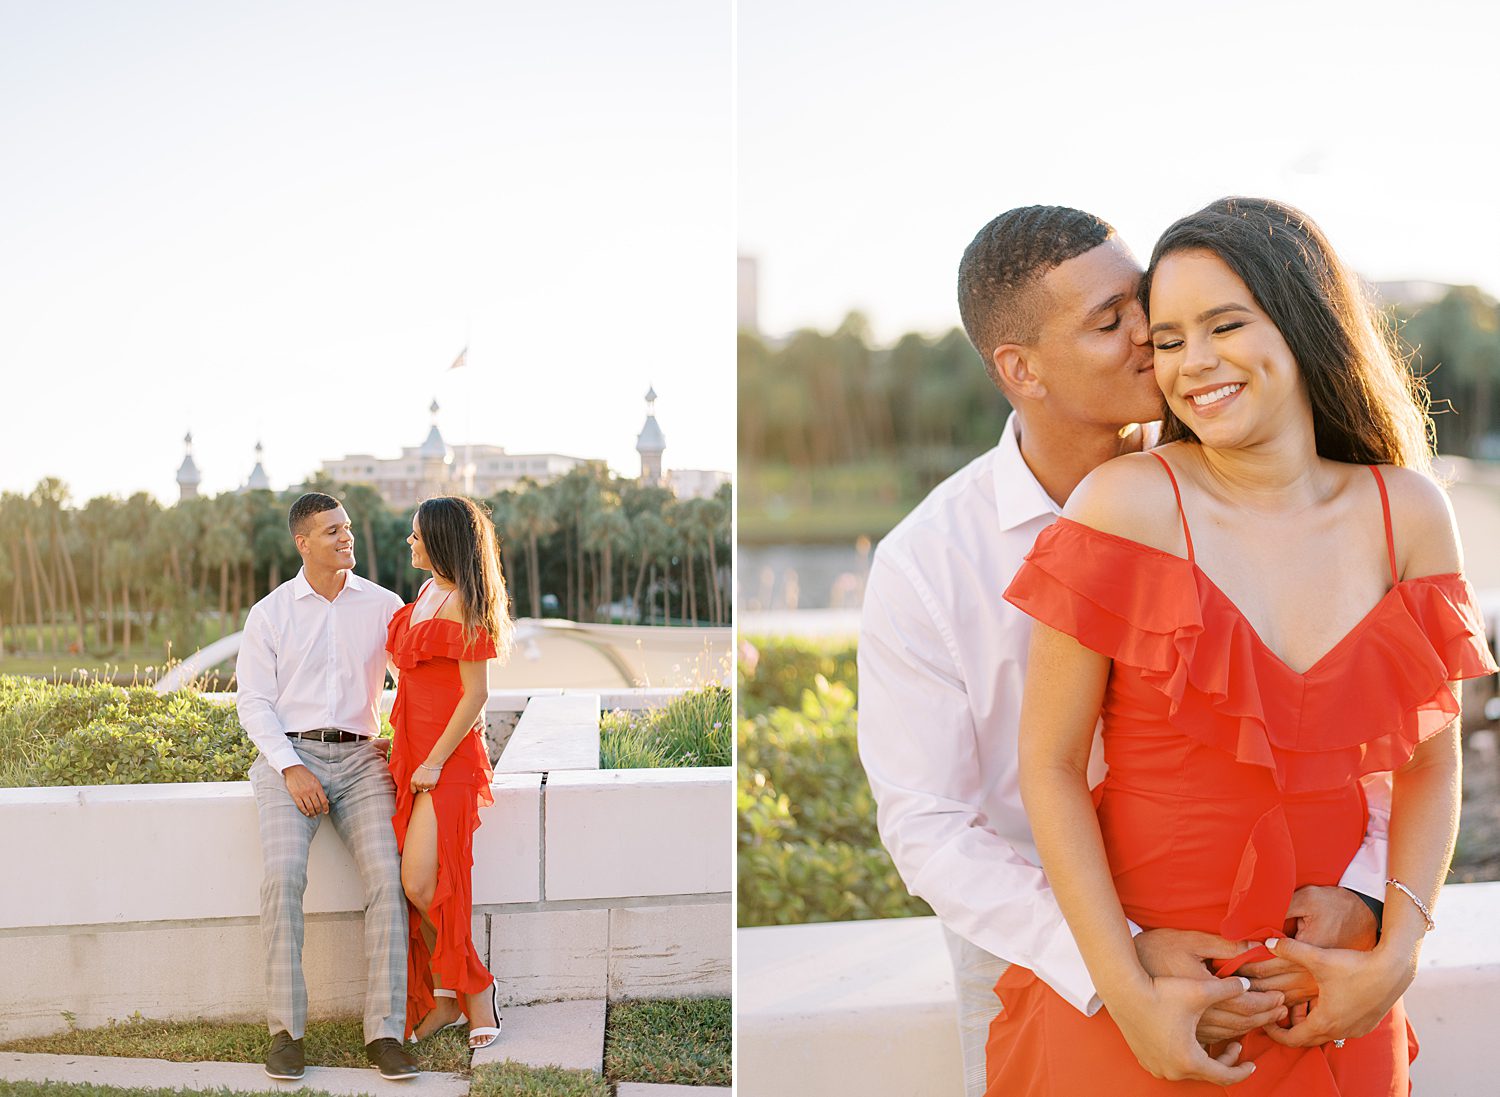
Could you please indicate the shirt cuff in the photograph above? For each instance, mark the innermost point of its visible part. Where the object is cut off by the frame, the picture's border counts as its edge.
(283, 757)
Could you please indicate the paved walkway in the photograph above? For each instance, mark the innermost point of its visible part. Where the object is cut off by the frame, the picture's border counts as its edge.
(563, 1034)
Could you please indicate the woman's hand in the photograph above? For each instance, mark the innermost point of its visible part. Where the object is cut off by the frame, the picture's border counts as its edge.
(1160, 1022)
(1355, 990)
(424, 778)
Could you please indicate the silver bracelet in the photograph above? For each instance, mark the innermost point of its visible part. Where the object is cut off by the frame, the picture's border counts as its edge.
(1421, 906)
(434, 769)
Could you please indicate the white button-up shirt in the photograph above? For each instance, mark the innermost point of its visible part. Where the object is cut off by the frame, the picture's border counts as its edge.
(306, 663)
(942, 665)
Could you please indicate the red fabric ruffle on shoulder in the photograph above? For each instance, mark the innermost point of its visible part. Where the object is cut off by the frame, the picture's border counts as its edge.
(434, 638)
(1318, 729)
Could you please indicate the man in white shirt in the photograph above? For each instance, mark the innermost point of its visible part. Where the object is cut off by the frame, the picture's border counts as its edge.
(1048, 296)
(311, 666)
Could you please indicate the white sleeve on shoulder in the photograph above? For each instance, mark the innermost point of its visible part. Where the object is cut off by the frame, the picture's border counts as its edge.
(255, 677)
(1366, 873)
(919, 747)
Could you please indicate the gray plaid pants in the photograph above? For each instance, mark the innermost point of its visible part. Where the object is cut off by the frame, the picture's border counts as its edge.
(975, 972)
(361, 801)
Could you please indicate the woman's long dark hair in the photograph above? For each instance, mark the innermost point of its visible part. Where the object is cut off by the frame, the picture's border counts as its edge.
(460, 542)
(1368, 407)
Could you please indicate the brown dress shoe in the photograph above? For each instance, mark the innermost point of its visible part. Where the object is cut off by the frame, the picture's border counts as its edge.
(391, 1059)
(284, 1061)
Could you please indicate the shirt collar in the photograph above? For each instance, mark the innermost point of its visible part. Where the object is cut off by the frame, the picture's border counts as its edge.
(301, 588)
(1019, 497)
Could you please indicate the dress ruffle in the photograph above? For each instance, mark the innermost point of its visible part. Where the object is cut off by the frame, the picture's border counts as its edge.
(434, 638)
(1160, 614)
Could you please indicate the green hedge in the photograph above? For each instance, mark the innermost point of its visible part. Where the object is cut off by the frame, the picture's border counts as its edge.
(808, 848)
(774, 671)
(691, 730)
(100, 734)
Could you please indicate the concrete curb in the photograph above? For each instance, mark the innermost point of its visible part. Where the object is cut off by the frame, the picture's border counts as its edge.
(652, 1089)
(112, 1070)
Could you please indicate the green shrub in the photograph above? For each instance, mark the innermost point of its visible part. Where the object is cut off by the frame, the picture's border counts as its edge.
(808, 848)
(691, 730)
(101, 734)
(774, 671)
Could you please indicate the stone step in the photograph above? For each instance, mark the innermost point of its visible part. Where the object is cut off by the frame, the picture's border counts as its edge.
(114, 1070)
(653, 1089)
(562, 1034)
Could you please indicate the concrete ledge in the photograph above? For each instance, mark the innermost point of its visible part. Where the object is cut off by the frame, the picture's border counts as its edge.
(555, 733)
(147, 853)
(632, 832)
(846, 1007)
(868, 1007)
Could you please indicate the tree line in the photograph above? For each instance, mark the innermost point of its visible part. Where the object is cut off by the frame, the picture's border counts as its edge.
(821, 399)
(102, 576)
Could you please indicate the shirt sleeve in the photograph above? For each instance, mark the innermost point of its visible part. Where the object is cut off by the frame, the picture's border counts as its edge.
(919, 747)
(255, 678)
(1366, 873)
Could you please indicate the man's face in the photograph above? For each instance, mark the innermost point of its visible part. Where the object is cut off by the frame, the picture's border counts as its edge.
(326, 541)
(1093, 353)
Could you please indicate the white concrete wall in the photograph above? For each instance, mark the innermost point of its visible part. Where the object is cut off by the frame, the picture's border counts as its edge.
(145, 898)
(624, 832)
(867, 1007)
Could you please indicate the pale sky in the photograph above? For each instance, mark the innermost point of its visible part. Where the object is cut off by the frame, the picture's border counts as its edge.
(282, 221)
(876, 139)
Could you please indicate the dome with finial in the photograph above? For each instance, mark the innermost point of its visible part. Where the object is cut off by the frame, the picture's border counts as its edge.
(434, 447)
(258, 481)
(651, 439)
(187, 472)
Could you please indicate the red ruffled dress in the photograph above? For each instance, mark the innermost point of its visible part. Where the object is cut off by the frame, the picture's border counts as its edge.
(1233, 780)
(427, 655)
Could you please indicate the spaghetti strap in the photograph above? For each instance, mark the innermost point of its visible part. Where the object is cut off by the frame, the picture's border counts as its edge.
(1187, 535)
(1390, 534)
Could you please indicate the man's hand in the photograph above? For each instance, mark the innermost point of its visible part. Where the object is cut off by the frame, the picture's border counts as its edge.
(1185, 954)
(1332, 918)
(384, 746)
(1328, 917)
(306, 791)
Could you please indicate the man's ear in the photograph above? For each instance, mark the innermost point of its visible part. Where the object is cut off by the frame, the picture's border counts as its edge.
(1015, 367)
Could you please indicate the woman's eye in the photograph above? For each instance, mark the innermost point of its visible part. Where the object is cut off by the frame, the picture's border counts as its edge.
(1170, 344)
(1223, 328)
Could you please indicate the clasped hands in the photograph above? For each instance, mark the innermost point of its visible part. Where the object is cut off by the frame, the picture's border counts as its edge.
(1322, 984)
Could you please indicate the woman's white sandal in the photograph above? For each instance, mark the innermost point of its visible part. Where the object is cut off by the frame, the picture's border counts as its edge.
(487, 1035)
(438, 992)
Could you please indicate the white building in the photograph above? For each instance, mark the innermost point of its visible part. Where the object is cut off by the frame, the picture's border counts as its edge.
(436, 468)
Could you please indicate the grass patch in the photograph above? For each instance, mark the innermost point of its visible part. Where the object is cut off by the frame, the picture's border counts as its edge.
(683, 1041)
(695, 729)
(89, 1089)
(516, 1080)
(337, 1043)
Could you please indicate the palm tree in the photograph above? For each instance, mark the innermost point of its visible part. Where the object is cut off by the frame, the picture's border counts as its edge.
(532, 519)
(607, 530)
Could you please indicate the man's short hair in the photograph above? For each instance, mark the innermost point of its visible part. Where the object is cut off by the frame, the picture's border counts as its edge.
(314, 502)
(1000, 297)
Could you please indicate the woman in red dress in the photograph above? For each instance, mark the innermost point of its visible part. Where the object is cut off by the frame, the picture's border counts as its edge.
(1263, 610)
(441, 644)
